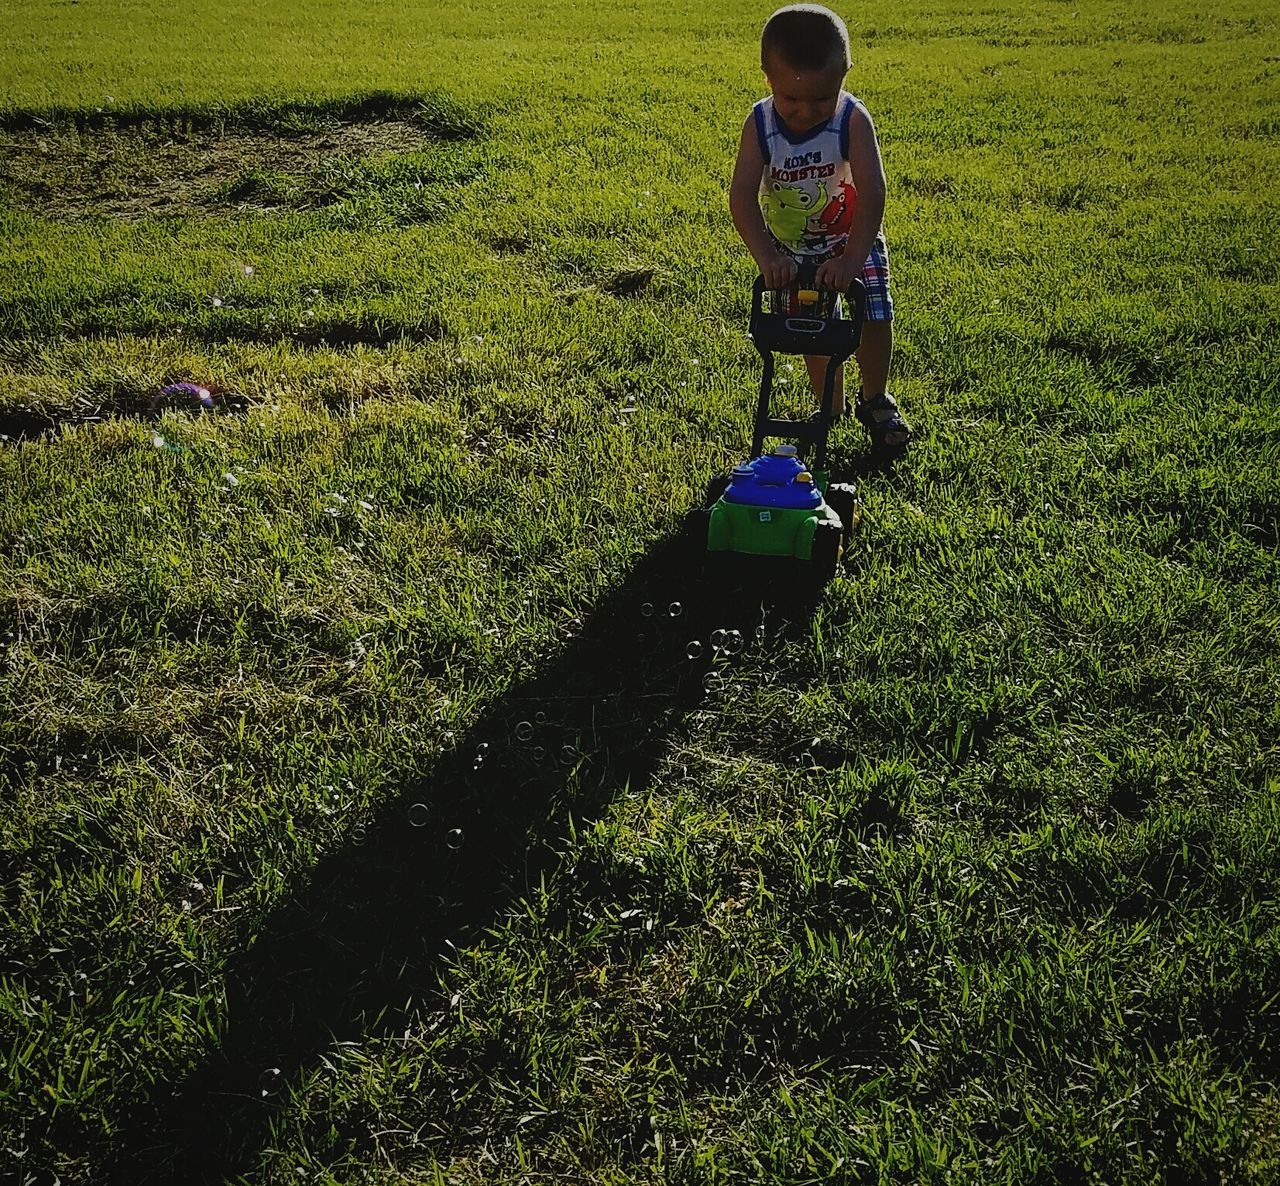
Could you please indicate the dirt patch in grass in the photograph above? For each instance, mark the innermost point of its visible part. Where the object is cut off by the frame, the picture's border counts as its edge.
(511, 244)
(29, 422)
(145, 172)
(628, 283)
(138, 164)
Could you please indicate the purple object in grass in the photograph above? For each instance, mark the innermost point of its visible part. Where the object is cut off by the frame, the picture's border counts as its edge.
(202, 395)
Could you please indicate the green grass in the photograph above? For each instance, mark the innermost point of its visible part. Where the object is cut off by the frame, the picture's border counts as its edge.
(363, 818)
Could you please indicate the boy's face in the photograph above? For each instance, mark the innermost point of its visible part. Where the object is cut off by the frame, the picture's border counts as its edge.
(803, 99)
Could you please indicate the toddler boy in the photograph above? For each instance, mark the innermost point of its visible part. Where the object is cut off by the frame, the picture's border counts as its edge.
(809, 186)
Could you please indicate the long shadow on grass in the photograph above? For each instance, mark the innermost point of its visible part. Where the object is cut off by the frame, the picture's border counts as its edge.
(363, 941)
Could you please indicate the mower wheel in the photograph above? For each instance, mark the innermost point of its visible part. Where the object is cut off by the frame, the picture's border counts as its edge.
(843, 499)
(824, 558)
(716, 487)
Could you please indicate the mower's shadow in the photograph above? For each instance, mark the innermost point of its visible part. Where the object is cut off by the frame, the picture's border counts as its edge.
(364, 939)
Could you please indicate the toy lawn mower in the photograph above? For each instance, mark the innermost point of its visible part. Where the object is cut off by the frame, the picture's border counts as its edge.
(782, 504)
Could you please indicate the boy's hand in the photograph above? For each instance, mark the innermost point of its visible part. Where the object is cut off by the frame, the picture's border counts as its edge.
(839, 273)
(778, 270)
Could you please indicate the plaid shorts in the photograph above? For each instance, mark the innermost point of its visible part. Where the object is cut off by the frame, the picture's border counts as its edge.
(875, 275)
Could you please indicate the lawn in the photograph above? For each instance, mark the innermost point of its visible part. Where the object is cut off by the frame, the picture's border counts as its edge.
(363, 815)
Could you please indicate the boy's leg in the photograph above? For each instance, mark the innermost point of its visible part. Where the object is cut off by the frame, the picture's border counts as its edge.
(817, 366)
(875, 407)
(875, 348)
(874, 353)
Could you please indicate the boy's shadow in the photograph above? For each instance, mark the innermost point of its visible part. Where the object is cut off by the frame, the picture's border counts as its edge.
(354, 949)
(886, 464)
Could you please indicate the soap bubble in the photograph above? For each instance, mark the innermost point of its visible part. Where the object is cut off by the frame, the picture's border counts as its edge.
(647, 609)
(568, 755)
(162, 442)
(453, 838)
(694, 649)
(712, 683)
(732, 643)
(270, 1081)
(675, 609)
(539, 753)
(419, 814)
(524, 730)
(359, 834)
(717, 639)
(540, 718)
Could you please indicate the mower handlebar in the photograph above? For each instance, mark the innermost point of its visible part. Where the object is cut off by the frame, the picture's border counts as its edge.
(808, 332)
(806, 280)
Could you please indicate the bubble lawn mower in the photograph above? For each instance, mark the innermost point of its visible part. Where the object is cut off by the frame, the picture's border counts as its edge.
(782, 504)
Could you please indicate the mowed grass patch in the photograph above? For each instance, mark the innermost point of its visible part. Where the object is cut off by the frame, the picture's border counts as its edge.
(365, 815)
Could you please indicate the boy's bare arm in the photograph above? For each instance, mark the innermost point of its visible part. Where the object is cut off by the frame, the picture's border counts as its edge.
(868, 211)
(777, 268)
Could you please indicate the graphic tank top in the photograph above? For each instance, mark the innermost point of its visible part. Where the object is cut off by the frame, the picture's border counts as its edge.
(806, 190)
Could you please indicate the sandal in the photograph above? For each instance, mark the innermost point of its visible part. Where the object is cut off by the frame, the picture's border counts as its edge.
(881, 418)
(836, 417)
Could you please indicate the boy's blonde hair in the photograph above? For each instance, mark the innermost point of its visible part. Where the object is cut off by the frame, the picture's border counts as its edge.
(805, 37)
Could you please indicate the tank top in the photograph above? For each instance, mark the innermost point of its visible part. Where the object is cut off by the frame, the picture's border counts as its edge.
(806, 189)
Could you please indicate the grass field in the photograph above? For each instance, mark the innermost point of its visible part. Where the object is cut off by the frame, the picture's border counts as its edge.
(362, 817)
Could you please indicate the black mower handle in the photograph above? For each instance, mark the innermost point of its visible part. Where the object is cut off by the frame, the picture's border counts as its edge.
(806, 279)
(803, 333)
(808, 333)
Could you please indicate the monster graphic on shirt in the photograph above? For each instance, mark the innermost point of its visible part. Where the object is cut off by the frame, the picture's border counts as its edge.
(837, 217)
(787, 211)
